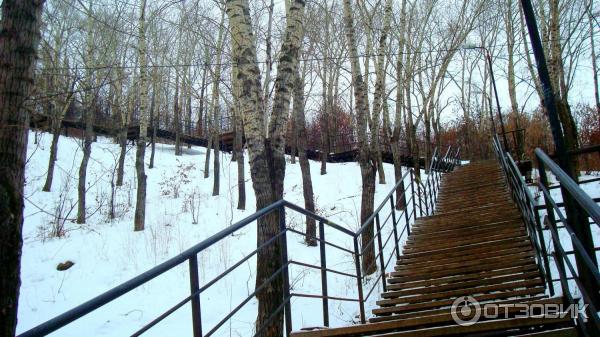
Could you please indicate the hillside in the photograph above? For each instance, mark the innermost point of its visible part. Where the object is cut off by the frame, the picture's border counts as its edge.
(107, 252)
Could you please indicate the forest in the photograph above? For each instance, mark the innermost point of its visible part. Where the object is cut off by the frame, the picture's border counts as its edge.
(276, 82)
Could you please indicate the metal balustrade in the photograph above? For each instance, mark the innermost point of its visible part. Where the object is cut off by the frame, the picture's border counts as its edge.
(388, 233)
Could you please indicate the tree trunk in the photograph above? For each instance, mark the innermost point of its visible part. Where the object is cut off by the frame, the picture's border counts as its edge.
(177, 117)
(123, 146)
(215, 107)
(365, 158)
(201, 101)
(53, 152)
(396, 133)
(300, 130)
(153, 121)
(209, 145)
(593, 56)
(238, 128)
(18, 44)
(324, 126)
(140, 205)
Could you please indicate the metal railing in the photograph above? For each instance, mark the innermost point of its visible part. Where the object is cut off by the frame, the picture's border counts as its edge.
(386, 227)
(536, 226)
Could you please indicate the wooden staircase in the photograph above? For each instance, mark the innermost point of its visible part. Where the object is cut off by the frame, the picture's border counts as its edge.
(475, 245)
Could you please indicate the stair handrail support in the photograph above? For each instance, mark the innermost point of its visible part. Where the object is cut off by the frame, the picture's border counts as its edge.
(529, 210)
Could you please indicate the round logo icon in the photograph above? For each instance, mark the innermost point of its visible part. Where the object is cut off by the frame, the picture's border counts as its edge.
(465, 311)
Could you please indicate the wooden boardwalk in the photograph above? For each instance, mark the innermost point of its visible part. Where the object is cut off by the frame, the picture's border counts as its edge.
(475, 247)
(349, 153)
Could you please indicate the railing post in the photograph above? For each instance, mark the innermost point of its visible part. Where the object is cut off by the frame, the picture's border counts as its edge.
(414, 201)
(286, 273)
(426, 201)
(552, 226)
(393, 207)
(381, 259)
(324, 292)
(195, 301)
(540, 234)
(361, 301)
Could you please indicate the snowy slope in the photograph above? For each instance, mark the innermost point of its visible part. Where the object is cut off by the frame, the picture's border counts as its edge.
(107, 253)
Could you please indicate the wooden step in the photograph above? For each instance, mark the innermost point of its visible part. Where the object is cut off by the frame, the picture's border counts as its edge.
(397, 277)
(398, 284)
(392, 298)
(417, 230)
(439, 317)
(442, 260)
(486, 242)
(562, 332)
(542, 299)
(458, 285)
(463, 264)
(481, 327)
(448, 302)
(466, 239)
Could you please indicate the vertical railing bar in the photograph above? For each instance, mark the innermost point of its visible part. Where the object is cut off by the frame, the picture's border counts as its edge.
(380, 244)
(550, 212)
(361, 301)
(195, 301)
(393, 208)
(412, 188)
(324, 291)
(286, 272)
(540, 233)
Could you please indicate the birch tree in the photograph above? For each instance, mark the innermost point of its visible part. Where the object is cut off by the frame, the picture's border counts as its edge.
(140, 205)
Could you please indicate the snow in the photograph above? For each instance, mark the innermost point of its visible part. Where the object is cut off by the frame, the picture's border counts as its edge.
(108, 252)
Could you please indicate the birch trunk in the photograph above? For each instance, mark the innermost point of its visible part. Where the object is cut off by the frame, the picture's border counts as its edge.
(140, 205)
(300, 129)
(88, 116)
(215, 107)
(365, 158)
(267, 161)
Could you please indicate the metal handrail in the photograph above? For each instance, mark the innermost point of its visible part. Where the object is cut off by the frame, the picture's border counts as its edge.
(437, 167)
(530, 212)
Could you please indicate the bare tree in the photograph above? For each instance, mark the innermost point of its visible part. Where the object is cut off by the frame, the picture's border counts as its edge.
(140, 205)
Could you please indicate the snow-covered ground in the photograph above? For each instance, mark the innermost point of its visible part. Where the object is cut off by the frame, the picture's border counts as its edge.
(108, 252)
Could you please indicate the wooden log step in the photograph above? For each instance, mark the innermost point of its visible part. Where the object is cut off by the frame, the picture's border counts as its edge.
(443, 260)
(390, 297)
(561, 332)
(466, 249)
(466, 263)
(462, 232)
(448, 302)
(462, 237)
(481, 327)
(439, 317)
(458, 285)
(419, 230)
(411, 248)
(462, 213)
(462, 201)
(542, 299)
(396, 284)
(457, 188)
(485, 216)
(396, 277)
